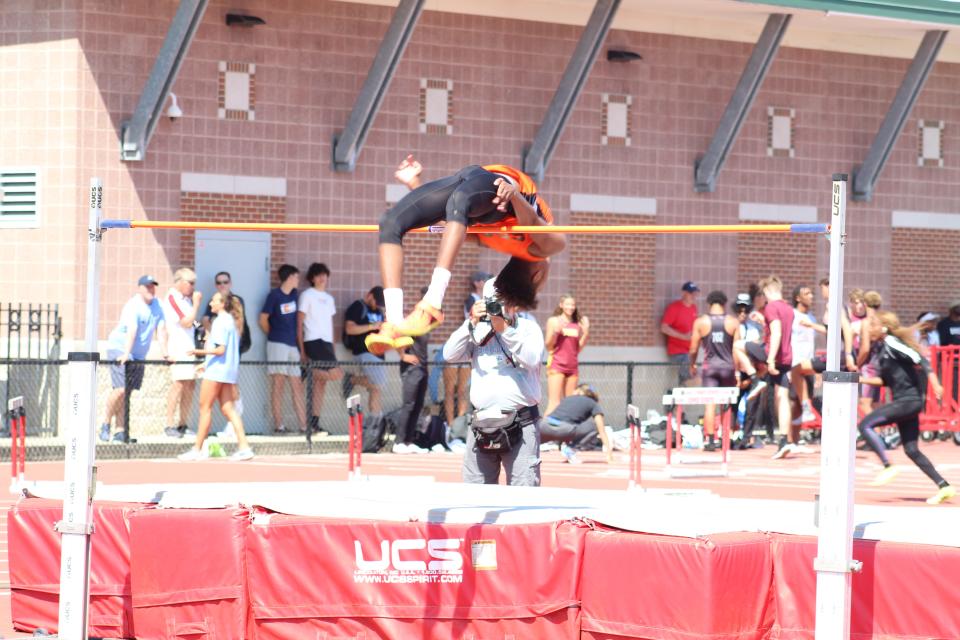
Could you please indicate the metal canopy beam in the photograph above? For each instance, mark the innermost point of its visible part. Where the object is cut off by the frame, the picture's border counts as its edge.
(537, 157)
(136, 133)
(865, 177)
(707, 168)
(348, 143)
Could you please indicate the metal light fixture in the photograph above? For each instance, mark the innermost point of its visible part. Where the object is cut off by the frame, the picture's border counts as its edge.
(243, 20)
(622, 55)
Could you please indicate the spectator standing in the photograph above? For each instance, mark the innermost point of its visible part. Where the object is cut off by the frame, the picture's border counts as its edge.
(505, 349)
(362, 318)
(576, 423)
(278, 319)
(803, 344)
(221, 369)
(180, 307)
(567, 332)
(716, 331)
(677, 325)
(413, 383)
(779, 320)
(315, 311)
(948, 329)
(925, 333)
(128, 345)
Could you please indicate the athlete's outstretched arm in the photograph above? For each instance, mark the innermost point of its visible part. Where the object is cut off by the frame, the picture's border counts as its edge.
(544, 244)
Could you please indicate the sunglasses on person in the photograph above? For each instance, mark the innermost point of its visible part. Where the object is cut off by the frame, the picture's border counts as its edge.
(219, 282)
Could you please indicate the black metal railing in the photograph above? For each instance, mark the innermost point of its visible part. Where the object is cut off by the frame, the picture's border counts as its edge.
(39, 382)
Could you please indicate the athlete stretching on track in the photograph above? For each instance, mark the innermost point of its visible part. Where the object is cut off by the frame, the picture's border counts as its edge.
(492, 195)
(900, 366)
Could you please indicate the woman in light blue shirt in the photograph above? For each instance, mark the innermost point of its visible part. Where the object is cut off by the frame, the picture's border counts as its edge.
(221, 369)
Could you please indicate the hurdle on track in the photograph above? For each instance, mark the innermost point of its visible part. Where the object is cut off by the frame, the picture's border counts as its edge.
(354, 436)
(724, 398)
(834, 562)
(18, 442)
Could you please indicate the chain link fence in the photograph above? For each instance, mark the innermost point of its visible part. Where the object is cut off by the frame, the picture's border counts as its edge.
(44, 386)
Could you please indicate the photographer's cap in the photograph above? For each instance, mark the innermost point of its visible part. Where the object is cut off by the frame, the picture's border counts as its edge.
(146, 281)
(489, 291)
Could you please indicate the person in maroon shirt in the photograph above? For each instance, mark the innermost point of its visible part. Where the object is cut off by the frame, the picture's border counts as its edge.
(779, 317)
(677, 325)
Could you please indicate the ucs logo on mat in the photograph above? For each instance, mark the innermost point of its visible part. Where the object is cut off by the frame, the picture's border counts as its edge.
(410, 561)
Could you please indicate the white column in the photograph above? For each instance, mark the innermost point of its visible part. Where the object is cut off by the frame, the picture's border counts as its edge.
(834, 561)
(76, 526)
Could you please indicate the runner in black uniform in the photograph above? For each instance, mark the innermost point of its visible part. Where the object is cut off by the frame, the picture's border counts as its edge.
(901, 368)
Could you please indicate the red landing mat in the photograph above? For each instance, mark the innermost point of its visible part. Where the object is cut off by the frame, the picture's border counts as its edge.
(904, 591)
(34, 551)
(667, 588)
(188, 574)
(319, 578)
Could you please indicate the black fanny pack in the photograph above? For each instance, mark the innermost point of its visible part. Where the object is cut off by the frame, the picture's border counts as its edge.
(501, 434)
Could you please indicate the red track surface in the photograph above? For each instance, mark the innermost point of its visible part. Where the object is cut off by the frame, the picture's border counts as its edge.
(753, 475)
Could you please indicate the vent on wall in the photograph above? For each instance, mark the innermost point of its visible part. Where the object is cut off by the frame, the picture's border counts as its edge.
(19, 198)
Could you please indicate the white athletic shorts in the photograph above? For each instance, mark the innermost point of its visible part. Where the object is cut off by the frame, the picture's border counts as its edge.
(182, 371)
(278, 352)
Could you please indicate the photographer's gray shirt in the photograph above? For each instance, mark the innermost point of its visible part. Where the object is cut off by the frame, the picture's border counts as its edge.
(494, 381)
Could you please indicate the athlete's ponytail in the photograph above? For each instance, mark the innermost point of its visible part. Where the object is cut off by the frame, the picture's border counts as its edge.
(891, 325)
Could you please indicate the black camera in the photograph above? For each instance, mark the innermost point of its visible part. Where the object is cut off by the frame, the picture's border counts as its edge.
(494, 308)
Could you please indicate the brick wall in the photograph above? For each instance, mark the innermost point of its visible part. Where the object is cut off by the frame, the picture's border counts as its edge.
(87, 63)
(791, 257)
(918, 284)
(611, 277)
(222, 207)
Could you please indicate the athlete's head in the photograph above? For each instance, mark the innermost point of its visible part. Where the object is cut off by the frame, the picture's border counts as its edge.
(518, 282)
(717, 297)
(887, 322)
(772, 287)
(568, 306)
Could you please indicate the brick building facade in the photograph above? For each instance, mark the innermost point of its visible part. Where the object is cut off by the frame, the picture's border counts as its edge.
(78, 68)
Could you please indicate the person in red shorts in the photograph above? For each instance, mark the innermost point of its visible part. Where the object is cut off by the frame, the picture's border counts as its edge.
(677, 325)
(567, 332)
(490, 196)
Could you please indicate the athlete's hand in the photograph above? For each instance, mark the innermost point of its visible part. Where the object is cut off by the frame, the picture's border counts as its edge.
(505, 191)
(408, 172)
(937, 389)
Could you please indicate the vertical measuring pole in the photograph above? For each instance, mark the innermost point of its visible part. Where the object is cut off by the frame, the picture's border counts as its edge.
(834, 562)
(76, 526)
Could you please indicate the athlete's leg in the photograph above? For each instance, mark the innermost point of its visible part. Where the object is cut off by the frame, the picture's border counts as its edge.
(910, 435)
(472, 199)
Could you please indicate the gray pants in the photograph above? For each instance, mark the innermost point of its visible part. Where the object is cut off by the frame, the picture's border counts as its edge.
(521, 463)
(578, 436)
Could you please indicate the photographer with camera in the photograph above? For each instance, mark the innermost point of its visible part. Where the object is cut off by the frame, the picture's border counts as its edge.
(505, 350)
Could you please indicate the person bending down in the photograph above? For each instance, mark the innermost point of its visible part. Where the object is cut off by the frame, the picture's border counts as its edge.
(576, 421)
(900, 366)
(489, 196)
